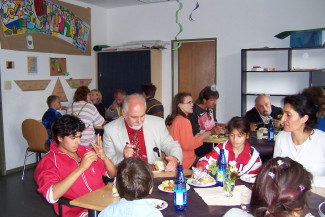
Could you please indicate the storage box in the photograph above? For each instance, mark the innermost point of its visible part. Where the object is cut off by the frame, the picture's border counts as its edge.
(306, 38)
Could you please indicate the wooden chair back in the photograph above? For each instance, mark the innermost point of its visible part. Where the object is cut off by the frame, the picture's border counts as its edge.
(35, 134)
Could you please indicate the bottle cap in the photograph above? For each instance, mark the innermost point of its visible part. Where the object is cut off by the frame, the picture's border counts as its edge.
(222, 151)
(180, 168)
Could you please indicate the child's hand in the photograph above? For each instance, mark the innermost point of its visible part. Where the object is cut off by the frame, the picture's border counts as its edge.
(99, 148)
(88, 159)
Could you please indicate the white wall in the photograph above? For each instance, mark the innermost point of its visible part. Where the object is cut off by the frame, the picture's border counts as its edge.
(19, 105)
(236, 24)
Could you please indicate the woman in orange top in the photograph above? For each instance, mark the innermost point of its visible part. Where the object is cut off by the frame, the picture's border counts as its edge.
(180, 129)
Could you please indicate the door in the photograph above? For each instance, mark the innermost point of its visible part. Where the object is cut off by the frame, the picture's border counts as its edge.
(2, 155)
(194, 66)
(122, 70)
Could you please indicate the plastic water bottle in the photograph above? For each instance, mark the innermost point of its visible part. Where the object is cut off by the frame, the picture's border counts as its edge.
(270, 134)
(180, 194)
(222, 164)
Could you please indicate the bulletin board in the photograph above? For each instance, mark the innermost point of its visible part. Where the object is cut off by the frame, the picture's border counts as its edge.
(49, 43)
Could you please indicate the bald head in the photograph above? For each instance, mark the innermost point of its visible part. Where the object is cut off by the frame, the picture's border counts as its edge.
(263, 105)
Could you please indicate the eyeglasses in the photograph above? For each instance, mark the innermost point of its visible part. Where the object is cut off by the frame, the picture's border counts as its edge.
(190, 103)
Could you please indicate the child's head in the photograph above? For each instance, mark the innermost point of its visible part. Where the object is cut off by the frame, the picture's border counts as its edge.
(67, 125)
(238, 128)
(134, 179)
(281, 189)
(53, 102)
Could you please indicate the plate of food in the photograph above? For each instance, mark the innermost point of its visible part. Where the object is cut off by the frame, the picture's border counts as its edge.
(218, 138)
(157, 203)
(158, 166)
(168, 186)
(250, 178)
(202, 182)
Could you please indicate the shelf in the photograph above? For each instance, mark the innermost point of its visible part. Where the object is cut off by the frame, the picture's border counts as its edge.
(296, 70)
(285, 48)
(268, 94)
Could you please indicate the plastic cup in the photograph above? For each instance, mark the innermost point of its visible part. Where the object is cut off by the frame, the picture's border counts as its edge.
(259, 134)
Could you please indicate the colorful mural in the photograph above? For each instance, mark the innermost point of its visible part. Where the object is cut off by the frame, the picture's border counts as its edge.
(43, 16)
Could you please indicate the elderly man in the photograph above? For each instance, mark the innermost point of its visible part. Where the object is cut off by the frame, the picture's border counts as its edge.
(263, 111)
(139, 135)
(115, 109)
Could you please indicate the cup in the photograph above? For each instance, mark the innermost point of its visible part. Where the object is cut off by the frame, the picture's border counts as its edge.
(259, 134)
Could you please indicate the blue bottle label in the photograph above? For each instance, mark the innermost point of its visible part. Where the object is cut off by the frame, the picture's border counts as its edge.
(180, 198)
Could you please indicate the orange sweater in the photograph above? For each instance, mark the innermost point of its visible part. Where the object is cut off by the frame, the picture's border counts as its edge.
(181, 131)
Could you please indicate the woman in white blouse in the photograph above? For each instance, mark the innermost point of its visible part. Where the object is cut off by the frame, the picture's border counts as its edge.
(299, 140)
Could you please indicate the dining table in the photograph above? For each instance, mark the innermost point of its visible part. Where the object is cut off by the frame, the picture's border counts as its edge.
(97, 200)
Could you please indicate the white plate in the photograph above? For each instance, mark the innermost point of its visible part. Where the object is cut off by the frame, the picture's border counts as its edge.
(160, 187)
(157, 202)
(200, 184)
(247, 177)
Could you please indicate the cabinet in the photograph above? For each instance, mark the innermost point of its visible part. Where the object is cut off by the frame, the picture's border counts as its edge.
(294, 69)
(127, 70)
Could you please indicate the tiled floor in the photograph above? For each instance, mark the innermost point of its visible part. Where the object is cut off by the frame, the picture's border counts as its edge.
(20, 199)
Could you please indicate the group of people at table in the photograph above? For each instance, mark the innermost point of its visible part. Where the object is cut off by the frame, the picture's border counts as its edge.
(78, 158)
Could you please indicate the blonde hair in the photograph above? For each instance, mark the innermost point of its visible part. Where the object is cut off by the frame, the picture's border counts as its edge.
(100, 97)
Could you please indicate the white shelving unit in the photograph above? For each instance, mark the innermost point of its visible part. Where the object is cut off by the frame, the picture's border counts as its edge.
(294, 69)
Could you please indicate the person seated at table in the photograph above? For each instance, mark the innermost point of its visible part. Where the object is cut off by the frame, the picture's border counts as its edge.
(237, 149)
(96, 100)
(318, 95)
(262, 112)
(203, 119)
(114, 111)
(181, 130)
(69, 169)
(87, 112)
(136, 134)
(134, 182)
(154, 107)
(51, 114)
(281, 189)
(299, 140)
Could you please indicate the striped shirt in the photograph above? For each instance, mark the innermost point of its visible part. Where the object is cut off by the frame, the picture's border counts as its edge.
(90, 116)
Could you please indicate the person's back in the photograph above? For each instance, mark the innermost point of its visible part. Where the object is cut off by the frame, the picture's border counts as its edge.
(154, 106)
(51, 115)
(134, 181)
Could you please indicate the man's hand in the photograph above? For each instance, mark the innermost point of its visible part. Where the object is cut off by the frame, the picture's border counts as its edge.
(128, 151)
(172, 163)
(113, 107)
(216, 130)
(277, 123)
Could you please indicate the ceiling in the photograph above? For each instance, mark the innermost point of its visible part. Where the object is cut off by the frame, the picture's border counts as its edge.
(119, 3)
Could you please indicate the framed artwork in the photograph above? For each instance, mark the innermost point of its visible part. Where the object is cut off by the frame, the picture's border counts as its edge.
(58, 66)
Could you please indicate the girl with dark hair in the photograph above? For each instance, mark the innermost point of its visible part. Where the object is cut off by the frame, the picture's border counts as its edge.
(87, 112)
(237, 149)
(180, 129)
(299, 140)
(280, 190)
(70, 169)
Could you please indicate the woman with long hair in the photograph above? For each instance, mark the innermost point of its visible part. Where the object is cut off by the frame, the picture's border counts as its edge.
(180, 128)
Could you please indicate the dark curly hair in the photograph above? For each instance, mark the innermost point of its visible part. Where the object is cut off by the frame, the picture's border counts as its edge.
(304, 105)
(280, 189)
(67, 125)
(134, 179)
(206, 93)
(81, 94)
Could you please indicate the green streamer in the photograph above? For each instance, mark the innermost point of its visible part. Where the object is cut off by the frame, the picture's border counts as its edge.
(179, 24)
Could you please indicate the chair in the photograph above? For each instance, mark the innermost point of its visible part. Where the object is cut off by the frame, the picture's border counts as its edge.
(36, 135)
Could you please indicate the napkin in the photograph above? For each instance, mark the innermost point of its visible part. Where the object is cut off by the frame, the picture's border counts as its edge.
(216, 196)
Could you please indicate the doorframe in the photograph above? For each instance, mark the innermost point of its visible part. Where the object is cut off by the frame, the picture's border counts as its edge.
(2, 147)
(174, 55)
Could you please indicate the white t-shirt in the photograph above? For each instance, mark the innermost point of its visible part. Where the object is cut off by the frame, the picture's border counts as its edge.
(311, 154)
